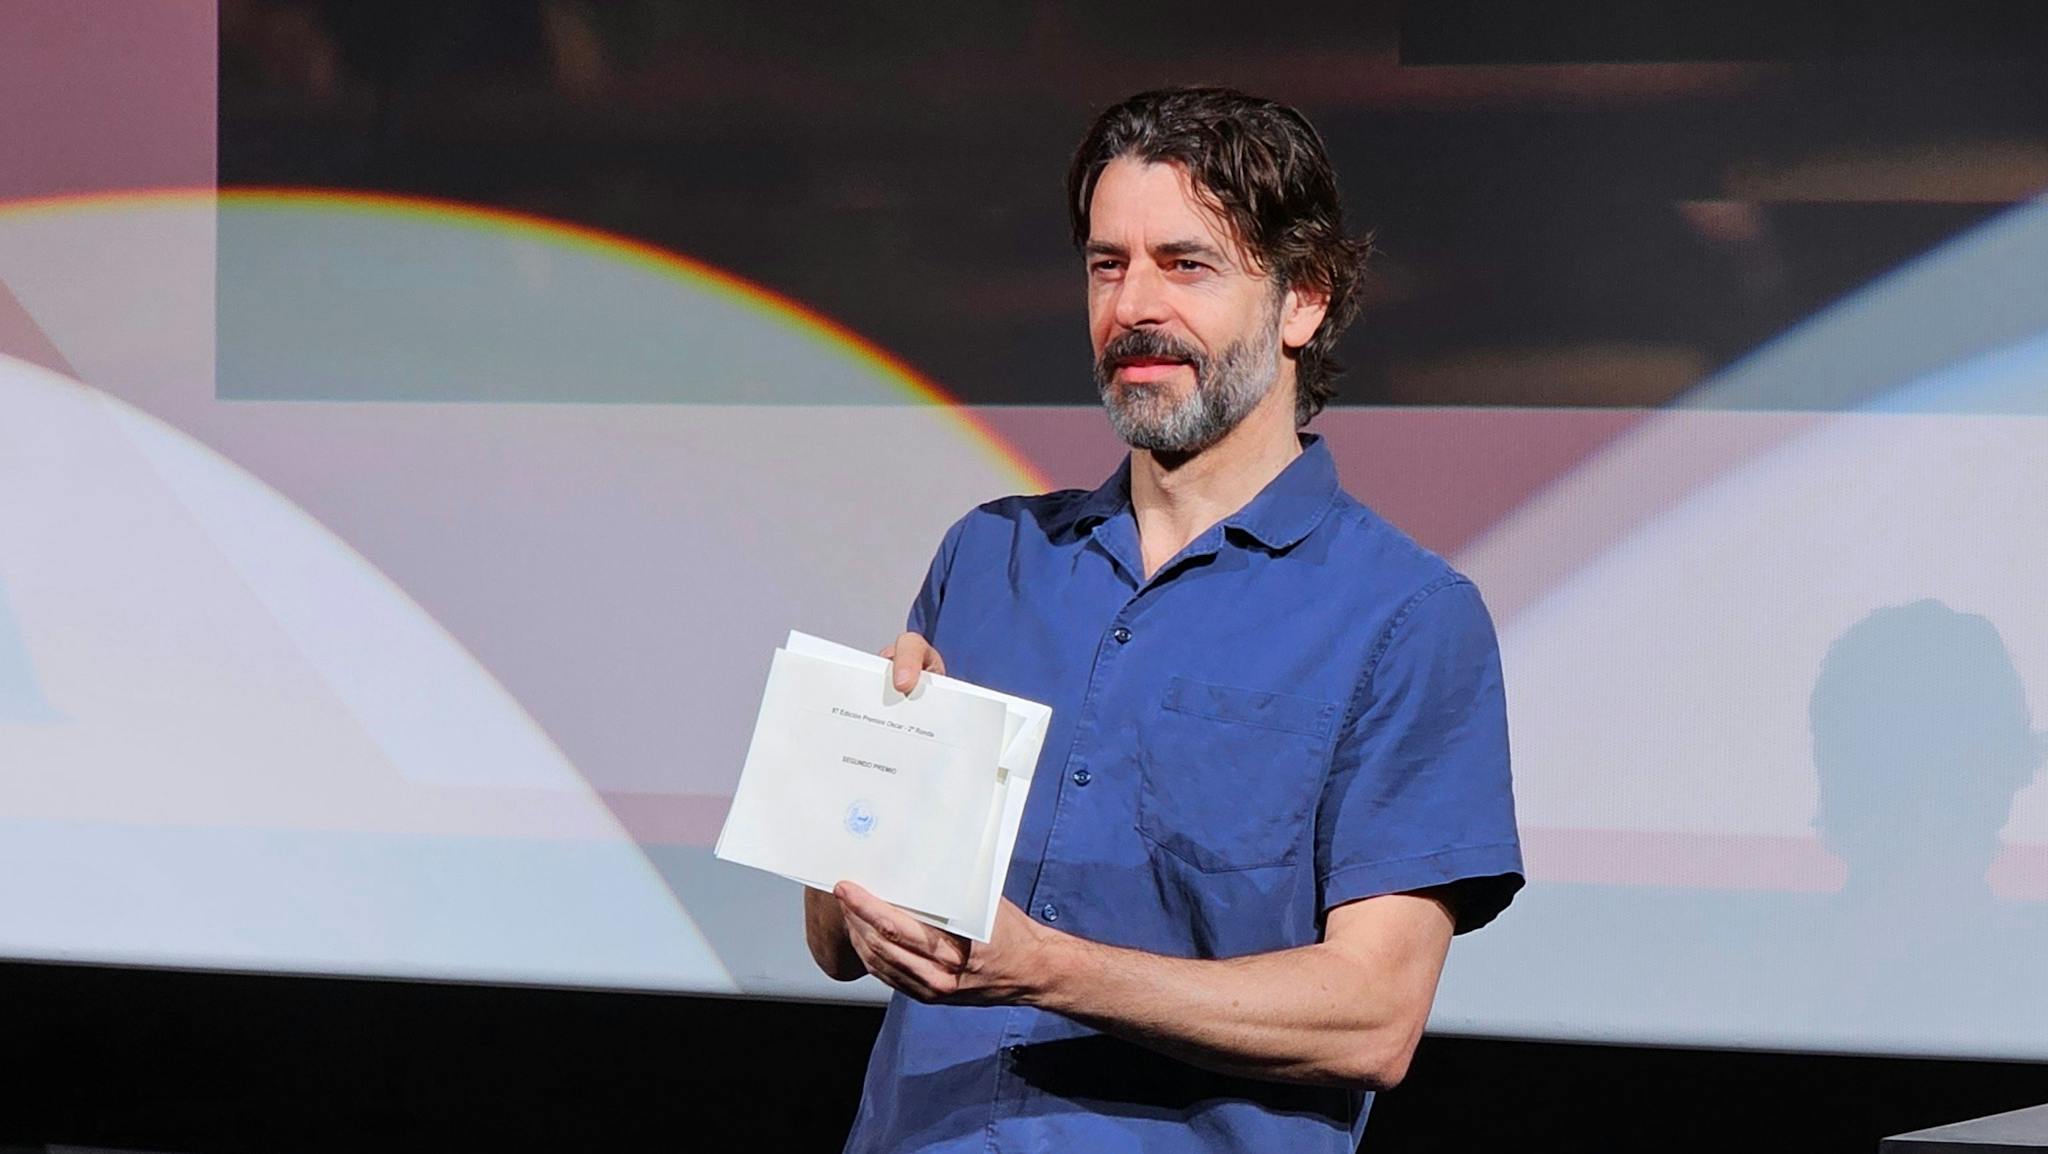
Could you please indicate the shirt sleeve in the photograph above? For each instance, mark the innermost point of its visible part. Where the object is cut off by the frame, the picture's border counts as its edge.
(1418, 794)
(924, 610)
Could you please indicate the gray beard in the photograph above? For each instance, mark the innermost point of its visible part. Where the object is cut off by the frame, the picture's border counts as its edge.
(1226, 390)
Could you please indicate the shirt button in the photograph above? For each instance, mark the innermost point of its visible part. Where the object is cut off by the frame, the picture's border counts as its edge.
(1049, 912)
(1121, 634)
(1083, 777)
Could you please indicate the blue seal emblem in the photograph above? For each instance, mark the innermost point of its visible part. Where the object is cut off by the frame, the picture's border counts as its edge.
(860, 819)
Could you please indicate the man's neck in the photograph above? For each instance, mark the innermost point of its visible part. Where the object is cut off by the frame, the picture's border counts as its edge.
(1175, 499)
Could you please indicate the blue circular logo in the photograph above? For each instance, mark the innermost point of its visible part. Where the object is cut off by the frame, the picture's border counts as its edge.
(860, 820)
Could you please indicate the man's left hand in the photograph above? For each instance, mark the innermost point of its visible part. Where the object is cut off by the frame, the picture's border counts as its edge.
(931, 965)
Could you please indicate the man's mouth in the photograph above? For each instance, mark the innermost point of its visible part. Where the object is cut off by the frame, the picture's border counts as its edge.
(1145, 370)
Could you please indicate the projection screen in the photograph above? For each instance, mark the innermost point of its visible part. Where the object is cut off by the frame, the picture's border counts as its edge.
(387, 581)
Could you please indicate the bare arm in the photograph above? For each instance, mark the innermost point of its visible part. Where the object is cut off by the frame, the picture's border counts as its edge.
(1348, 1010)
(1345, 1011)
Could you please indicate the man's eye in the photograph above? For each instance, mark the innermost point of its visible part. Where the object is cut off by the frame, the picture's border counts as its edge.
(1103, 266)
(1189, 266)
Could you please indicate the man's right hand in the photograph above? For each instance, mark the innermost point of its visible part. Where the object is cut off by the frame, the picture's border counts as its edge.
(913, 656)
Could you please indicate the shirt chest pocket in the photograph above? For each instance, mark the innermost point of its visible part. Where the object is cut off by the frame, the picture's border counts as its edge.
(1230, 776)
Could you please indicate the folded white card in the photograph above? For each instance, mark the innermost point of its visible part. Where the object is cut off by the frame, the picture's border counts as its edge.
(917, 798)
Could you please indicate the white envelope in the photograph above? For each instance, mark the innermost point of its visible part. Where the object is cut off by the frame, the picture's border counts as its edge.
(916, 798)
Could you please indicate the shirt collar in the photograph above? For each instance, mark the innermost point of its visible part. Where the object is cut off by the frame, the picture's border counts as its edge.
(1286, 510)
(1112, 498)
(1293, 503)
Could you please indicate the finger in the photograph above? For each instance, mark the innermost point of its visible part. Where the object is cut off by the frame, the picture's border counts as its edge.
(876, 962)
(870, 917)
(946, 952)
(888, 921)
(898, 967)
(909, 971)
(884, 919)
(907, 658)
(867, 941)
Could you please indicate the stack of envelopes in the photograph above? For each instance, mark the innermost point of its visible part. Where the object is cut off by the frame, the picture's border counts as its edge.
(915, 797)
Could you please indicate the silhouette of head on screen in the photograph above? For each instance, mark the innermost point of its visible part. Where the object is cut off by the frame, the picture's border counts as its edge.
(1921, 737)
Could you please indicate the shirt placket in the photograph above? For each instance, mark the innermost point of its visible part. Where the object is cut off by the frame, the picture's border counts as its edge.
(1042, 902)
(1113, 647)
(1118, 538)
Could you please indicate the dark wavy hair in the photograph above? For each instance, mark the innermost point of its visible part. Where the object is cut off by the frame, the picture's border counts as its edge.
(1261, 166)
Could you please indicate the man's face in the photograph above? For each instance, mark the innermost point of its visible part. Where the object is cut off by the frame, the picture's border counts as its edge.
(1185, 332)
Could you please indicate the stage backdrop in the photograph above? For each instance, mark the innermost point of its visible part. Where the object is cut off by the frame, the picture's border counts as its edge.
(418, 425)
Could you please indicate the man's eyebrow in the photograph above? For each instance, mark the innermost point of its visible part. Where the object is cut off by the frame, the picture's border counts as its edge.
(1181, 248)
(1169, 250)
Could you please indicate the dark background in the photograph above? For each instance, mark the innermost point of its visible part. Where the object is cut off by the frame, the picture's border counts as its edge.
(221, 1062)
(1577, 203)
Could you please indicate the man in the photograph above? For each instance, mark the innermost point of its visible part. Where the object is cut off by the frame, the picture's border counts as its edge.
(1276, 782)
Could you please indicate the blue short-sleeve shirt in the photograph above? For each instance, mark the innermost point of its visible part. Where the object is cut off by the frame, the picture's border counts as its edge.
(1302, 709)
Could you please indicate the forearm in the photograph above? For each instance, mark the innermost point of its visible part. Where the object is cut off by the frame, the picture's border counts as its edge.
(1299, 1015)
(1346, 1011)
(825, 933)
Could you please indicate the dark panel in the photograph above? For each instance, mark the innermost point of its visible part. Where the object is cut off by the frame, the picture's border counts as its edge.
(205, 1062)
(1641, 31)
(903, 174)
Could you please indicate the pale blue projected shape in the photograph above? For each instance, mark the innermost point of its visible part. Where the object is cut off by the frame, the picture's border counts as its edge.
(20, 698)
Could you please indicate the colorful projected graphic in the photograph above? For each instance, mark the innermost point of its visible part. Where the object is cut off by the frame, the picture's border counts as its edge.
(619, 567)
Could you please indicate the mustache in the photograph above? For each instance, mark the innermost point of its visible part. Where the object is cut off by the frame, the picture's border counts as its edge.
(1147, 343)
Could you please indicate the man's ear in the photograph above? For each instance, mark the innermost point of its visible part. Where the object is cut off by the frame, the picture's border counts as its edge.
(1301, 312)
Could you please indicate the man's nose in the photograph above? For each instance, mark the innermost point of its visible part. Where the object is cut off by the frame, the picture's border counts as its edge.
(1140, 297)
